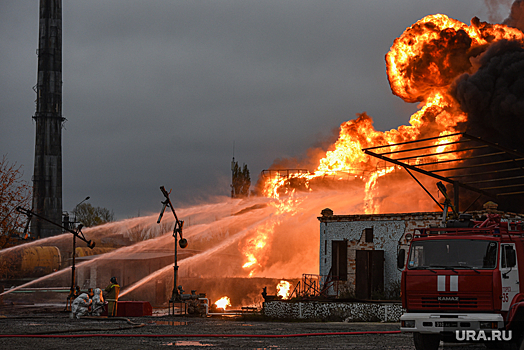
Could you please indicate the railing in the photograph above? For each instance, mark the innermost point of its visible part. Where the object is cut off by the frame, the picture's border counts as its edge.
(272, 173)
(339, 175)
(314, 286)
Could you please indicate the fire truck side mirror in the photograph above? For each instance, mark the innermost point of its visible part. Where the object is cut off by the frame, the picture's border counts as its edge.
(511, 258)
(401, 256)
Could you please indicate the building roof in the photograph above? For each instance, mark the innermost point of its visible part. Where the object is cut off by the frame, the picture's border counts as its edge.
(326, 217)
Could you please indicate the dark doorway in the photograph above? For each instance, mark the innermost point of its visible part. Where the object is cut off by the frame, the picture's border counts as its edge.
(339, 260)
(370, 273)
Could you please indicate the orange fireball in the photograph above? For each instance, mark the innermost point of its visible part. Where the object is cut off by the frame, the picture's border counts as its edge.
(435, 50)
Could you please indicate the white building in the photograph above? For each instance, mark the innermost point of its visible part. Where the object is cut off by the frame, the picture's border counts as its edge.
(360, 251)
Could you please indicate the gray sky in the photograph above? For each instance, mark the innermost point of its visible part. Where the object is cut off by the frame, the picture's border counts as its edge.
(156, 92)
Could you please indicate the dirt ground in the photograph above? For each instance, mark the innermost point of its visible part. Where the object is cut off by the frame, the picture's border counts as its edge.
(48, 327)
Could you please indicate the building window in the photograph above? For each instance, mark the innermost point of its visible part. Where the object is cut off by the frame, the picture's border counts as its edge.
(369, 235)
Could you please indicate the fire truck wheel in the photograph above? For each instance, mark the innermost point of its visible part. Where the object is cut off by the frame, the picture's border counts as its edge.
(517, 344)
(426, 341)
(493, 345)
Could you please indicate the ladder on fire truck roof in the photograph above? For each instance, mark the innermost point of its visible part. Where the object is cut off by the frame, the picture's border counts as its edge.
(465, 161)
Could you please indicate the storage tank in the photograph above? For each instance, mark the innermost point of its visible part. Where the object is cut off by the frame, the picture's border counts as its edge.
(84, 251)
(33, 261)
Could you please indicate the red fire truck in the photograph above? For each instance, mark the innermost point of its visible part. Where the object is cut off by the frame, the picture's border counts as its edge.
(462, 283)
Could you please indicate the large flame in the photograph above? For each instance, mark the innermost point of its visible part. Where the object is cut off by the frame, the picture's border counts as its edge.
(256, 247)
(422, 65)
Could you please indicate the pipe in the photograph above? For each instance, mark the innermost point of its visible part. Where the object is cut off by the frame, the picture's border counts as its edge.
(207, 305)
(194, 335)
(45, 289)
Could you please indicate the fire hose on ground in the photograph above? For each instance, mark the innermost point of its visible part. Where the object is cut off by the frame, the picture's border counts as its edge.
(137, 325)
(134, 325)
(194, 335)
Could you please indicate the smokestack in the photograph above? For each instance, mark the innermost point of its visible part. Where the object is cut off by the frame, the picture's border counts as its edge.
(47, 175)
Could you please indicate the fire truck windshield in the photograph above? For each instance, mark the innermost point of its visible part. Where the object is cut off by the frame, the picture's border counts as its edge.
(453, 254)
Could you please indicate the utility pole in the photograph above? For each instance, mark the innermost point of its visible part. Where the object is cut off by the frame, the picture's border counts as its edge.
(233, 173)
(47, 175)
(73, 255)
(233, 178)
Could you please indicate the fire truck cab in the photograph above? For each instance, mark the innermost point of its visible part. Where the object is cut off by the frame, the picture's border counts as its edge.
(462, 283)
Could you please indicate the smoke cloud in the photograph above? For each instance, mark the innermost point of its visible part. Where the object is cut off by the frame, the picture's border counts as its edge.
(493, 97)
(516, 16)
(495, 7)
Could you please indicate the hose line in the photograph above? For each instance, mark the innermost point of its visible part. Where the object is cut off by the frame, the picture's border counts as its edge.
(98, 318)
(194, 335)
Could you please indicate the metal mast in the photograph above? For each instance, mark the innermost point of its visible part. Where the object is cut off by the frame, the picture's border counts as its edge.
(47, 175)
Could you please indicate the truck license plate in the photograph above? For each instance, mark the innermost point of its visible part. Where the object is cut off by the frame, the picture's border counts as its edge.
(445, 324)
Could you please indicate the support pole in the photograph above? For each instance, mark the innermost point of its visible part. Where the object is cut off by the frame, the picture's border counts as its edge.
(174, 294)
(71, 225)
(73, 277)
(456, 189)
(424, 188)
(78, 233)
(177, 230)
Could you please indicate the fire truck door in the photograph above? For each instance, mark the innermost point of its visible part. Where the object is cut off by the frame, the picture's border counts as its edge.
(509, 274)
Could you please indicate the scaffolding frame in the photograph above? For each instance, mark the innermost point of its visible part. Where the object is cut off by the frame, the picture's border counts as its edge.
(473, 164)
(314, 286)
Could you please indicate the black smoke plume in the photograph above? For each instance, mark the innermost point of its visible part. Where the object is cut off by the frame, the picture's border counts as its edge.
(493, 98)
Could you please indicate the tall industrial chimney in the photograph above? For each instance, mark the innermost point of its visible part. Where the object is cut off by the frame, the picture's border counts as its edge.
(47, 175)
